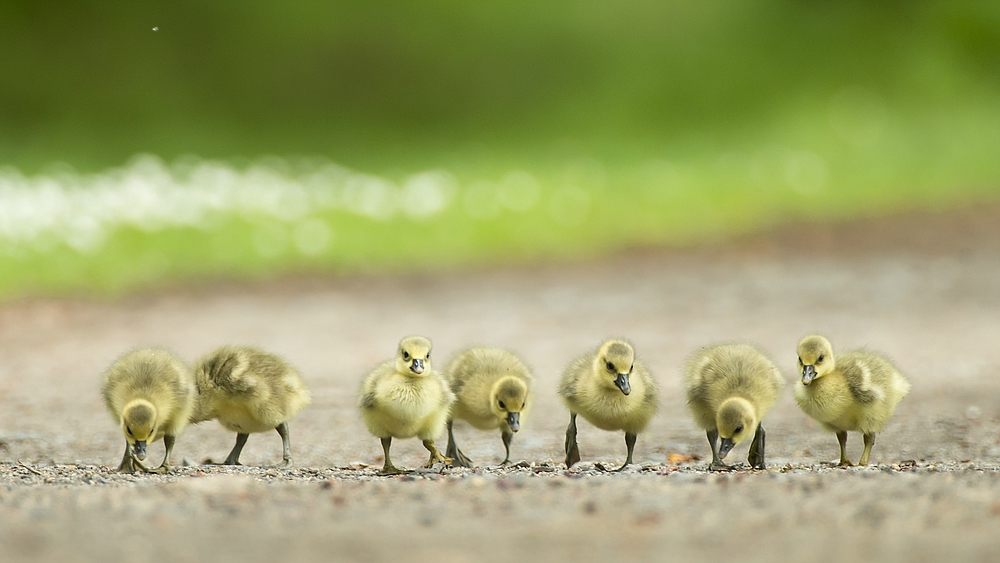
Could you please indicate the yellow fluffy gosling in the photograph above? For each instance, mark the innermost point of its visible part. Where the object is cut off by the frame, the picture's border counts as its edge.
(855, 391)
(150, 393)
(493, 390)
(405, 397)
(248, 390)
(610, 389)
(729, 390)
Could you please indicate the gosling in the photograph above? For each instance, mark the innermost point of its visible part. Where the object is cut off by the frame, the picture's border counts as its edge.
(150, 393)
(729, 390)
(612, 390)
(248, 390)
(493, 390)
(857, 391)
(404, 397)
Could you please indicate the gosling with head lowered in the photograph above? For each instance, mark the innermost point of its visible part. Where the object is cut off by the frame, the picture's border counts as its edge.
(612, 390)
(248, 390)
(493, 390)
(404, 397)
(150, 393)
(854, 391)
(729, 390)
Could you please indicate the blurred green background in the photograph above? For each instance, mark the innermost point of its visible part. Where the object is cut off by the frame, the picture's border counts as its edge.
(284, 137)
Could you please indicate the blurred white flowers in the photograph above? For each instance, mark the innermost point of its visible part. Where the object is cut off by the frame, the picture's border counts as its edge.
(82, 210)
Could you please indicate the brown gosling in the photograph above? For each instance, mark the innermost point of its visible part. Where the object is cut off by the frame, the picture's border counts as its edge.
(404, 397)
(855, 391)
(150, 393)
(611, 390)
(729, 390)
(248, 390)
(493, 390)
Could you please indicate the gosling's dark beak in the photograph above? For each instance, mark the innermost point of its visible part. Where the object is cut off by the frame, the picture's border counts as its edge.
(139, 450)
(417, 366)
(622, 383)
(726, 445)
(808, 374)
(514, 421)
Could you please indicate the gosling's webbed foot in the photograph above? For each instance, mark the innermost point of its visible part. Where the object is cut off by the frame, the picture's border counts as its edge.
(435, 455)
(226, 462)
(140, 466)
(126, 465)
(572, 456)
(572, 448)
(390, 469)
(719, 466)
(458, 459)
(163, 470)
(845, 463)
(283, 464)
(624, 465)
(756, 455)
(434, 459)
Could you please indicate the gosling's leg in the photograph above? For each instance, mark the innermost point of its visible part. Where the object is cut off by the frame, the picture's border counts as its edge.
(388, 468)
(572, 450)
(630, 445)
(756, 456)
(435, 455)
(453, 452)
(286, 445)
(168, 443)
(507, 437)
(869, 442)
(717, 464)
(234, 456)
(126, 465)
(842, 438)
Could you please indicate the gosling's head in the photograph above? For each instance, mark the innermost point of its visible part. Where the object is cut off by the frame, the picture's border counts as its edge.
(736, 421)
(507, 399)
(815, 358)
(414, 356)
(139, 422)
(614, 363)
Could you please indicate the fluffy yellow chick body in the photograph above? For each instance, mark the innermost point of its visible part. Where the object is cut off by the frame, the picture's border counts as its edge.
(493, 390)
(404, 397)
(612, 391)
(248, 390)
(150, 393)
(729, 389)
(855, 391)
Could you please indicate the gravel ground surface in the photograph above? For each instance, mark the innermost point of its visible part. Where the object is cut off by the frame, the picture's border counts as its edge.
(922, 289)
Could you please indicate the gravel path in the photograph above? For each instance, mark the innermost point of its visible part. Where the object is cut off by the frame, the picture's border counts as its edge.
(921, 288)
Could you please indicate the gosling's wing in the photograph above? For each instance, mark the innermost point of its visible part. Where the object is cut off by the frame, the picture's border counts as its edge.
(650, 398)
(368, 394)
(459, 370)
(857, 370)
(698, 376)
(577, 369)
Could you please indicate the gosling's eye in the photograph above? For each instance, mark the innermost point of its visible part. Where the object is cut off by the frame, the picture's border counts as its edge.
(739, 429)
(503, 406)
(801, 362)
(129, 430)
(820, 359)
(611, 366)
(406, 355)
(631, 367)
(428, 356)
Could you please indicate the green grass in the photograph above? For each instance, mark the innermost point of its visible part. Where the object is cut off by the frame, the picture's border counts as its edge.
(679, 122)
